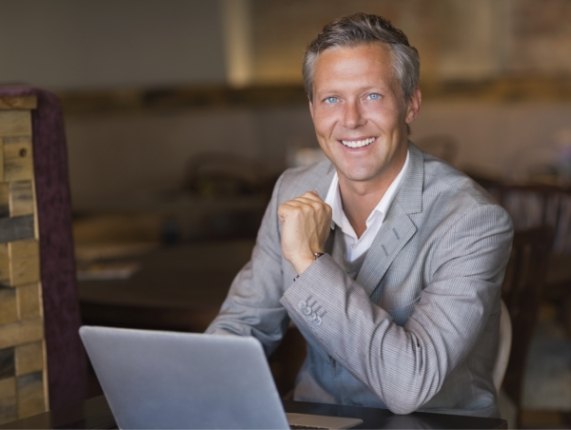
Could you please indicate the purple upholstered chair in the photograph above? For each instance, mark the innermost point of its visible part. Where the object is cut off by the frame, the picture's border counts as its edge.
(67, 370)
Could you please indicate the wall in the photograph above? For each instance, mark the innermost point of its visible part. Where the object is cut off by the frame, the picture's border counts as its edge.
(510, 140)
(137, 157)
(457, 39)
(67, 44)
(132, 47)
(84, 44)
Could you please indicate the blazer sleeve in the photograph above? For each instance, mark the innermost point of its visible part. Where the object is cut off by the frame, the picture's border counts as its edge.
(406, 365)
(252, 306)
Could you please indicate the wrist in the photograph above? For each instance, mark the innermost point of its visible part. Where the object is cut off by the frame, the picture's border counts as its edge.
(301, 264)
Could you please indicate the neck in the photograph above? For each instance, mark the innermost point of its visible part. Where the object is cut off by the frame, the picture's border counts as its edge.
(358, 205)
(360, 198)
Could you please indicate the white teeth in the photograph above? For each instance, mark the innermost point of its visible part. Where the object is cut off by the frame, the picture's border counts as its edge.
(358, 143)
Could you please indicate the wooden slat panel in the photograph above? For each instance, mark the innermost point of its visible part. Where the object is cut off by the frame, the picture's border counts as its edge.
(19, 263)
(7, 363)
(24, 391)
(24, 262)
(29, 301)
(16, 228)
(15, 123)
(4, 266)
(21, 332)
(8, 306)
(21, 198)
(4, 197)
(1, 160)
(29, 358)
(30, 389)
(19, 102)
(18, 159)
(8, 405)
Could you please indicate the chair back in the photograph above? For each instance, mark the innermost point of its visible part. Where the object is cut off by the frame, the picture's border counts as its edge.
(504, 347)
(521, 291)
(533, 205)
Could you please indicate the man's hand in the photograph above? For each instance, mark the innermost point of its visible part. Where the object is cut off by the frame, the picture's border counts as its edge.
(306, 221)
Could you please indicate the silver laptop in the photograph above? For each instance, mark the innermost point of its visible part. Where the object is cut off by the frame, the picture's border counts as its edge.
(158, 379)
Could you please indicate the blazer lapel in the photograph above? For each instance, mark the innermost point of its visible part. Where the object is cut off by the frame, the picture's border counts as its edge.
(391, 238)
(323, 179)
(398, 228)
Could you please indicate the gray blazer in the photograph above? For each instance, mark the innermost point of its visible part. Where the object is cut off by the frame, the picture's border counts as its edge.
(417, 327)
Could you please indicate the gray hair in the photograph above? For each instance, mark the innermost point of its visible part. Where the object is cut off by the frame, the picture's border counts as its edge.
(364, 28)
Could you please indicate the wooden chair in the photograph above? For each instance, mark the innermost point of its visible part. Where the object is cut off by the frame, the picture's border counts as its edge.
(45, 358)
(212, 174)
(537, 204)
(547, 204)
(234, 191)
(521, 291)
(504, 349)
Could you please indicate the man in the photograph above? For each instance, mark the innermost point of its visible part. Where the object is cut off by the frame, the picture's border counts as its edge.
(388, 260)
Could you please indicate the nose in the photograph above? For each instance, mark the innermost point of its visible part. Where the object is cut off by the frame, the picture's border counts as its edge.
(353, 115)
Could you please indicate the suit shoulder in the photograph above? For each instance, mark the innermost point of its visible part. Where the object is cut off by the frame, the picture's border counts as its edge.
(452, 193)
(446, 181)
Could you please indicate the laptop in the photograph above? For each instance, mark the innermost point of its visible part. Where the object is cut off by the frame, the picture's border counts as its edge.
(159, 379)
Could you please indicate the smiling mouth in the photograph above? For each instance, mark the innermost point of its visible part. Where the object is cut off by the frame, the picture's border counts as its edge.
(353, 144)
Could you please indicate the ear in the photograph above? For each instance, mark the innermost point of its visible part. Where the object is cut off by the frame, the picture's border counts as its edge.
(413, 106)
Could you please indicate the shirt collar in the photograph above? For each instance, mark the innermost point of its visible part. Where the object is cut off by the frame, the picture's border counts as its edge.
(333, 199)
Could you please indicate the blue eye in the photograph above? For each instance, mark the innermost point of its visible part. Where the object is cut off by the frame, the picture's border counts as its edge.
(374, 96)
(331, 100)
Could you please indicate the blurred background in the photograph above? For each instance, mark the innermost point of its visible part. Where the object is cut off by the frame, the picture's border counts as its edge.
(180, 115)
(148, 84)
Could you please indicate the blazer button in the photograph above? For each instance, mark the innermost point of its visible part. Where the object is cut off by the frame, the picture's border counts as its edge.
(305, 310)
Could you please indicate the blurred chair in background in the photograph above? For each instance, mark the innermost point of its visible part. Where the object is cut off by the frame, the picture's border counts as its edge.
(506, 406)
(217, 174)
(504, 348)
(521, 292)
(544, 204)
(538, 204)
(233, 192)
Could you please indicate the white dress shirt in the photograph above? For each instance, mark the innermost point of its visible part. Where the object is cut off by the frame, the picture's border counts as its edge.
(356, 247)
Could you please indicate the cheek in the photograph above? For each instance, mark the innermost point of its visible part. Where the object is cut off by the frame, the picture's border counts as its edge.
(323, 123)
(392, 123)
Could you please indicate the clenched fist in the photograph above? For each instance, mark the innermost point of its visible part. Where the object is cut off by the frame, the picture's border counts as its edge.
(306, 222)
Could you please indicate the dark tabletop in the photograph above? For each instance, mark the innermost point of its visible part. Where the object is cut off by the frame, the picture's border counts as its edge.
(95, 414)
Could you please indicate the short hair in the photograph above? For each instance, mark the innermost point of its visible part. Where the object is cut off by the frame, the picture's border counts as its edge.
(365, 28)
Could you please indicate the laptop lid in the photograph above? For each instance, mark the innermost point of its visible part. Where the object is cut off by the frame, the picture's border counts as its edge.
(157, 379)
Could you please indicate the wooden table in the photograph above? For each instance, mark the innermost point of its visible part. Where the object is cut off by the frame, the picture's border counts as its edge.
(176, 288)
(95, 413)
(181, 288)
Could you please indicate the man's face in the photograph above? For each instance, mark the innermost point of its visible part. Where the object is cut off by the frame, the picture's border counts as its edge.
(360, 115)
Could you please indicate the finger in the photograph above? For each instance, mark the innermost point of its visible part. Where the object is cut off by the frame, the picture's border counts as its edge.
(312, 195)
(310, 199)
(317, 205)
(307, 203)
